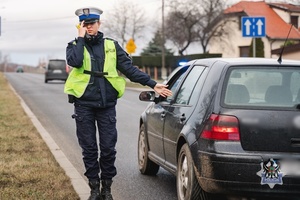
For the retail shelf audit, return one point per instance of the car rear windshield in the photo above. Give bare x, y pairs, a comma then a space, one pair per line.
57, 64
262, 87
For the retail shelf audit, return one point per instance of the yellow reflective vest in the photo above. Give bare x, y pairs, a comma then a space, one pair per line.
78, 81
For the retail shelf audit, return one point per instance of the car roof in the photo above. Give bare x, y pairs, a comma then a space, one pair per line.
245, 61
57, 60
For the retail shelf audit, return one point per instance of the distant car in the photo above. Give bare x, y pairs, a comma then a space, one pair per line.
57, 69
231, 127
19, 69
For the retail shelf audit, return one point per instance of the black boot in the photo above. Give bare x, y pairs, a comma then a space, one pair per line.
95, 190
105, 190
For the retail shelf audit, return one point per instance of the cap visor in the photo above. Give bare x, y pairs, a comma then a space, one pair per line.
90, 21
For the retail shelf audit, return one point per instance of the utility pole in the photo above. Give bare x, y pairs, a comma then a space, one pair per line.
163, 62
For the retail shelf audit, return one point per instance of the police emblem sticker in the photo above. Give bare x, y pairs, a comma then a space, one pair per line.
270, 173
86, 11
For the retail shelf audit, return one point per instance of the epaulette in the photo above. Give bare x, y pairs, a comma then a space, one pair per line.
73, 41
110, 39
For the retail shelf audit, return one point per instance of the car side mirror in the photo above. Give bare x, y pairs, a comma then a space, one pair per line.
147, 96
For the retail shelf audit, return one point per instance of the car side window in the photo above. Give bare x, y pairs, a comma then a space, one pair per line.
187, 88
173, 84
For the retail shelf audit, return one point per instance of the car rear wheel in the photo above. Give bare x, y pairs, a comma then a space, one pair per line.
188, 187
146, 166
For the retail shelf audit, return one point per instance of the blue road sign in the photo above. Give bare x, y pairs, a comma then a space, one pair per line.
254, 26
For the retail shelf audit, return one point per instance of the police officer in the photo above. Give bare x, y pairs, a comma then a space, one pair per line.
94, 85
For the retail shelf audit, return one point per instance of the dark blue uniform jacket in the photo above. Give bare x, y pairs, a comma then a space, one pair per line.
100, 92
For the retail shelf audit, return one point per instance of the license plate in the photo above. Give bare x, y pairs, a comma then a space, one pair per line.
57, 71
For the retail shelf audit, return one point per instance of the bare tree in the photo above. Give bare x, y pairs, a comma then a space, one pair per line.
180, 25
180, 29
210, 25
194, 21
137, 21
127, 20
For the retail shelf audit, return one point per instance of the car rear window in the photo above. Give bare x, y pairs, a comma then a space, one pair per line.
57, 64
262, 87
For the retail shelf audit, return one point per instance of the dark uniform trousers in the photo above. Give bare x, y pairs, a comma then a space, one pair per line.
86, 120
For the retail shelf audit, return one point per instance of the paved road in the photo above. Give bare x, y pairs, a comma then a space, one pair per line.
49, 104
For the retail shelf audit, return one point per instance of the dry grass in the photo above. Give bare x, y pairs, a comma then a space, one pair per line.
28, 170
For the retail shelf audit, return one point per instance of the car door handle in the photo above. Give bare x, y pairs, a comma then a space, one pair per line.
182, 118
295, 142
162, 115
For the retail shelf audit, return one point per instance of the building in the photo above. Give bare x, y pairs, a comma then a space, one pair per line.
288, 52
278, 20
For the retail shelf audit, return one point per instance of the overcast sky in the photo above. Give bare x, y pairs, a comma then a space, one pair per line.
40, 29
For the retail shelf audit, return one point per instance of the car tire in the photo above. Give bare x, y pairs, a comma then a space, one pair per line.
187, 184
146, 166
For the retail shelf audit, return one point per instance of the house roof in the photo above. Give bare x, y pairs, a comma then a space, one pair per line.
276, 27
286, 7
287, 49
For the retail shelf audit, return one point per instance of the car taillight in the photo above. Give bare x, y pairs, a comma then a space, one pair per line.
221, 127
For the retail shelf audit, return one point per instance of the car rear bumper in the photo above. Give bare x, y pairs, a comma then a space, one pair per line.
240, 174
56, 76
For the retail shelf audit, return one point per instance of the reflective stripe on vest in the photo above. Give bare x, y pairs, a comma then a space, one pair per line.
77, 81
110, 66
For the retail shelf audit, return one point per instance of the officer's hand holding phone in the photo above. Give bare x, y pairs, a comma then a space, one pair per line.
81, 29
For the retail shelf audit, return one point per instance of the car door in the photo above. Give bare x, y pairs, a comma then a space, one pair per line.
179, 111
155, 118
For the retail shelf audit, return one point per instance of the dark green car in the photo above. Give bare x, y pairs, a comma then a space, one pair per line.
19, 69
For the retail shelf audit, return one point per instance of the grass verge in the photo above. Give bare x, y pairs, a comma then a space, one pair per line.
28, 170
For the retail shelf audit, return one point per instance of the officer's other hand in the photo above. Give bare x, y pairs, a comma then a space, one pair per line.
162, 90
81, 30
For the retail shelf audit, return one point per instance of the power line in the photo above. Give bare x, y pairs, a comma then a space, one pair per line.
37, 20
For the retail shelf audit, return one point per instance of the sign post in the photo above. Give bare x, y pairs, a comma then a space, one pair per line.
254, 27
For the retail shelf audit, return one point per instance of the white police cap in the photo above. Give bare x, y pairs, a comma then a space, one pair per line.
88, 14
